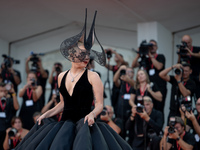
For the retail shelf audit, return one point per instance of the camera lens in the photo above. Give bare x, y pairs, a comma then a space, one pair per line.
177, 71
122, 72
12, 132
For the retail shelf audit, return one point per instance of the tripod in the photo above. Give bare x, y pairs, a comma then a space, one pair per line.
108, 81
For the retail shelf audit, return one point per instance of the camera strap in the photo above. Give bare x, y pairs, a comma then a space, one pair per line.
7, 75
177, 145
142, 91
38, 74
29, 93
3, 106
55, 84
128, 87
155, 58
15, 140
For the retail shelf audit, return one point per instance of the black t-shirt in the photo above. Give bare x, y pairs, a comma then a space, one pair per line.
154, 73
195, 63
9, 112
135, 127
175, 92
188, 138
9, 77
146, 93
42, 81
189, 123
123, 105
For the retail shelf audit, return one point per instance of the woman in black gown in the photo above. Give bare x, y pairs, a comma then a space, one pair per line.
78, 88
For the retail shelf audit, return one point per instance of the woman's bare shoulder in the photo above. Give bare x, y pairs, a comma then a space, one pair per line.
93, 74
62, 74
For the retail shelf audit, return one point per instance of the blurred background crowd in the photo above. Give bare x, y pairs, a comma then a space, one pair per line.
137, 94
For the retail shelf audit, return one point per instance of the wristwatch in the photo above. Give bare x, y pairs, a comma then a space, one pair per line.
178, 138
178, 82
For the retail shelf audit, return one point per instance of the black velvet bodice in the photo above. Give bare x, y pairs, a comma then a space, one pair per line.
78, 105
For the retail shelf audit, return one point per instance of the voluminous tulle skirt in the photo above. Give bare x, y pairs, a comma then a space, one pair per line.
66, 135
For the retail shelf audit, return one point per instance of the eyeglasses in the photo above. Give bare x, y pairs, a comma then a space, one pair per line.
198, 104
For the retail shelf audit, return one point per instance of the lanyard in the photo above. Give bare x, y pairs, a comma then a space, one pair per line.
143, 91
7, 75
2, 107
184, 83
127, 88
55, 85
177, 145
29, 93
15, 140
155, 58
38, 74
59, 116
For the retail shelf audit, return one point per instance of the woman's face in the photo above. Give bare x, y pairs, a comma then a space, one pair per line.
81, 56
31, 76
17, 124
141, 76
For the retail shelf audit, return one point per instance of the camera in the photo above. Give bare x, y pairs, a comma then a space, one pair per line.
140, 104
183, 52
109, 54
143, 51
12, 132
186, 104
7, 61
33, 83
144, 48
151, 133
178, 71
172, 122
104, 111
58, 67
3, 100
34, 58
182, 47
122, 72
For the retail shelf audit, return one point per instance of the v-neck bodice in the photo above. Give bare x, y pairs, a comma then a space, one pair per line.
78, 105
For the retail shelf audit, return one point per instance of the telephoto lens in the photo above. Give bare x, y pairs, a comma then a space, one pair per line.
12, 132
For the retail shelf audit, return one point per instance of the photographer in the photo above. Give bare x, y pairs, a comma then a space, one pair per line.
107, 116
42, 75
55, 99
144, 125
56, 70
191, 54
30, 93
182, 85
8, 107
153, 63
143, 87
193, 122
119, 61
8, 74
123, 79
177, 138
14, 134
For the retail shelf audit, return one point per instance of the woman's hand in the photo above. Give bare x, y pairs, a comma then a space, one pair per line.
90, 119
40, 119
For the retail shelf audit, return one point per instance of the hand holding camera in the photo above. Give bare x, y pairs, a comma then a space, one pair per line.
190, 115
174, 135
144, 115
108, 53
104, 115
133, 112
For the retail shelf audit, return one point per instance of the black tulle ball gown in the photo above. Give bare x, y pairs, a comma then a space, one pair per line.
71, 132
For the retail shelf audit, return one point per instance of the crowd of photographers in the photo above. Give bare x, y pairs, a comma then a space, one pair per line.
137, 98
